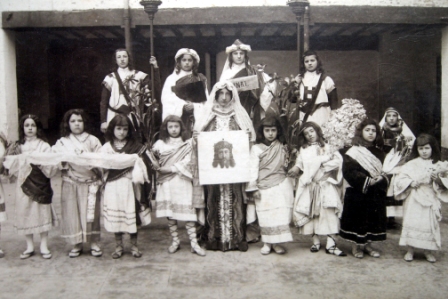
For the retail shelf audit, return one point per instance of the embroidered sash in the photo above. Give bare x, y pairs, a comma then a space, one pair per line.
172, 157
366, 159
272, 171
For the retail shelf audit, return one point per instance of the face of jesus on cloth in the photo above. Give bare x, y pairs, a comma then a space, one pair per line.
223, 155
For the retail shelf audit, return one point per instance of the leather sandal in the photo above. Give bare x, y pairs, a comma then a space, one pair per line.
96, 252
408, 257
373, 253
135, 252
118, 252
75, 252
357, 252
278, 249
46, 255
429, 257
335, 251
315, 248
175, 246
26, 255
266, 249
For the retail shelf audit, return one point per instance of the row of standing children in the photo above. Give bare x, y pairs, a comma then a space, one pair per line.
316, 209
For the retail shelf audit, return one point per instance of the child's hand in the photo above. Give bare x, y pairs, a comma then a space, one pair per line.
434, 176
294, 171
153, 61
376, 180
103, 127
188, 107
195, 135
414, 184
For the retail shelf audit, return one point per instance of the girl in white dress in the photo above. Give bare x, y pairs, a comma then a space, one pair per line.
80, 200
174, 198
270, 188
33, 211
317, 205
419, 185
122, 198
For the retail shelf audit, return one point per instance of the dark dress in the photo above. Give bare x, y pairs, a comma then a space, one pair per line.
364, 215
225, 225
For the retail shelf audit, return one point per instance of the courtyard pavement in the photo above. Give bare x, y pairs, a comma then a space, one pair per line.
158, 274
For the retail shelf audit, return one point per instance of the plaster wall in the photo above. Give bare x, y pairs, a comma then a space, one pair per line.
75, 5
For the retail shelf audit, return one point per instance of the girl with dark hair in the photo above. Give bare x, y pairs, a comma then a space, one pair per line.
124, 88
270, 188
317, 204
33, 210
255, 101
185, 90
317, 91
80, 201
419, 184
364, 217
124, 201
174, 198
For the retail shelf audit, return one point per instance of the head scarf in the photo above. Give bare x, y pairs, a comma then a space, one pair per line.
241, 116
191, 52
406, 131
227, 72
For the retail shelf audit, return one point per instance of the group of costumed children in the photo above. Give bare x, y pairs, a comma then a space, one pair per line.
323, 190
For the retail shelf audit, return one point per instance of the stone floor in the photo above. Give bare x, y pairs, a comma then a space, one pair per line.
298, 274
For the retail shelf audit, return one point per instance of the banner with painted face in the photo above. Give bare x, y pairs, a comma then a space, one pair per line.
223, 157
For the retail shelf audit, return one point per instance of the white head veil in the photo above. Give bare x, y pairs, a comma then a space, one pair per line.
241, 116
406, 131
229, 72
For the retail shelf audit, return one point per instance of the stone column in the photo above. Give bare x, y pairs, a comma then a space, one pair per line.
444, 87
8, 84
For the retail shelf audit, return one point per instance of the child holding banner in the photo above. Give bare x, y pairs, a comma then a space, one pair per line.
253, 90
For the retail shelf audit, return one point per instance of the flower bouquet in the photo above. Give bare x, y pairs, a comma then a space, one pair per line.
340, 128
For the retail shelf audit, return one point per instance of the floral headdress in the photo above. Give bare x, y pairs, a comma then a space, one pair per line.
229, 72
238, 45
191, 52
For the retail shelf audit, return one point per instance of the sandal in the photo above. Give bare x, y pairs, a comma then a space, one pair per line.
75, 252
279, 249
26, 255
46, 255
118, 252
335, 251
266, 249
135, 252
175, 246
429, 257
315, 248
96, 252
408, 257
359, 254
373, 253
198, 250
2, 254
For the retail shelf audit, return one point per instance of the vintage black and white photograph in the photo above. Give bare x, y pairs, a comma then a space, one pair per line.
224, 149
